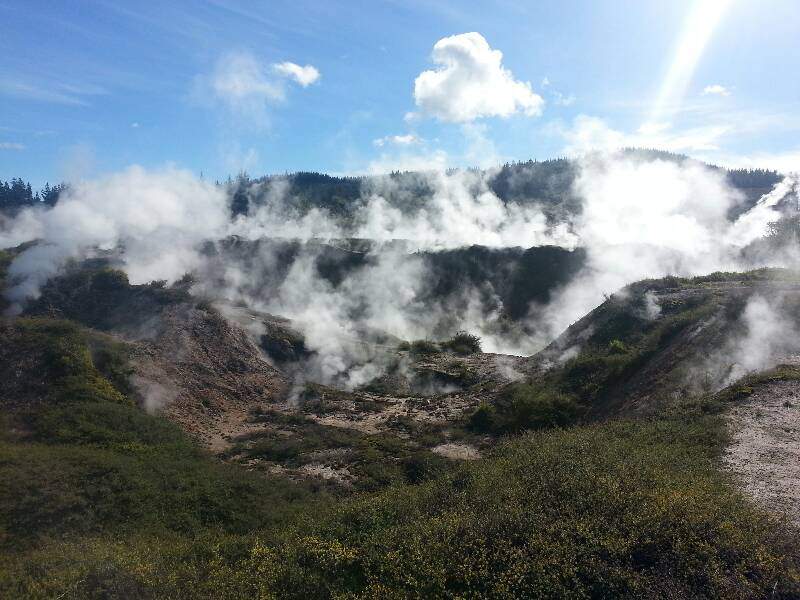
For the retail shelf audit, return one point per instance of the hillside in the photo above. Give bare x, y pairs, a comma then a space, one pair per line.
633, 425
399, 300
547, 182
341, 417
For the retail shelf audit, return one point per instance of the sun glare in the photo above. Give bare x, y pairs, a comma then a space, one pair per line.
701, 22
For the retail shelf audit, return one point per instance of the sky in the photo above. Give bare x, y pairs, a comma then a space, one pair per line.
218, 87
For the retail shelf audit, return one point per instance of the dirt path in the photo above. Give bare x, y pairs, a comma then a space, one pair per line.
765, 449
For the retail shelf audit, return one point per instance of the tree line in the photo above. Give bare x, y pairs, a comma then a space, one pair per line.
17, 194
549, 182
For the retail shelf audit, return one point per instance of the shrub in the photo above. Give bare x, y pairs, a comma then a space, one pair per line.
463, 343
528, 407
85, 460
422, 347
107, 280
204, 304
618, 510
483, 420
422, 466
617, 347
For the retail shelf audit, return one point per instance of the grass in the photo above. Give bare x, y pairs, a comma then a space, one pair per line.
376, 460
523, 407
614, 510
109, 502
87, 461
756, 275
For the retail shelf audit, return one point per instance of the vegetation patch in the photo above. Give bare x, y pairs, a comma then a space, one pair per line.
624, 340
94, 294
524, 406
424, 347
375, 460
463, 343
85, 460
622, 510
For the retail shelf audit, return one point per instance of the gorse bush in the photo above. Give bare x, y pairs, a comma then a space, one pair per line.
617, 347
483, 419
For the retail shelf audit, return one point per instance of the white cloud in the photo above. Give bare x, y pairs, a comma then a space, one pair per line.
247, 87
11, 146
471, 83
305, 76
564, 99
66, 95
135, 125
592, 133
431, 161
784, 162
239, 79
716, 90
399, 140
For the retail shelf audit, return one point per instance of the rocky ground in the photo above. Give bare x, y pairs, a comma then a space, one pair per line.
211, 374
206, 369
204, 373
764, 454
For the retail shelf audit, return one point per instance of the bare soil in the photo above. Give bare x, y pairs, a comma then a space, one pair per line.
764, 454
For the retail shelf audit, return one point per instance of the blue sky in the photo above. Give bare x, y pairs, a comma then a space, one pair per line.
92, 87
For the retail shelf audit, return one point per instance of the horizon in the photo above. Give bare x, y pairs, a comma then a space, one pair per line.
253, 177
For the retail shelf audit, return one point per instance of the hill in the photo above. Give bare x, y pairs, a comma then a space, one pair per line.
610, 484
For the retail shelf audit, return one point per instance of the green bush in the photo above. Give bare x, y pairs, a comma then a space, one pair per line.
463, 343
108, 280
423, 347
619, 510
85, 460
525, 406
484, 419
617, 347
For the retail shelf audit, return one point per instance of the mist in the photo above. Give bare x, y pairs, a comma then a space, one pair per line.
158, 219
649, 219
640, 218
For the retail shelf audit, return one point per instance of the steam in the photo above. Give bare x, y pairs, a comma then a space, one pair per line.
648, 219
640, 218
159, 218
155, 396
770, 337
462, 211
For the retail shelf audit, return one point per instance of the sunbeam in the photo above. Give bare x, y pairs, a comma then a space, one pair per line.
701, 22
